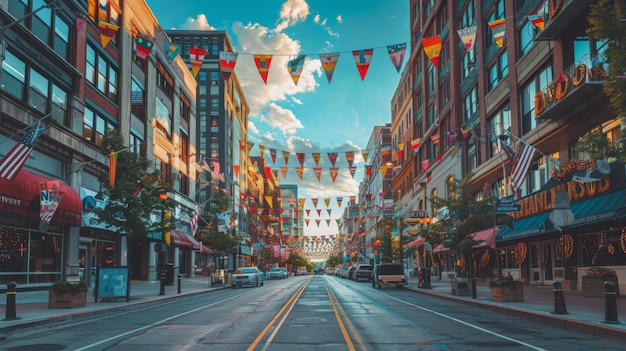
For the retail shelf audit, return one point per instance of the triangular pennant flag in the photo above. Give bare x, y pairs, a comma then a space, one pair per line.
327, 201
171, 51
318, 222
368, 171
464, 132
269, 201
362, 59
301, 201
107, 32
318, 172
262, 63
250, 146
314, 200
468, 37
196, 56
112, 168
498, 28
383, 171
286, 157
228, 60
236, 170
283, 170
306, 221
80, 22
316, 157
425, 164
396, 54
333, 173
301, 156
451, 137
268, 172
352, 170
143, 47
432, 47
339, 201
415, 144
438, 158
329, 61
400, 150
365, 154
429, 176
262, 151
295, 68
299, 171
350, 157
319, 212
536, 20
332, 156
435, 139
273, 155
328, 222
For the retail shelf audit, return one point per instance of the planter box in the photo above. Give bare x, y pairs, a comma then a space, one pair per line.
507, 293
66, 299
594, 286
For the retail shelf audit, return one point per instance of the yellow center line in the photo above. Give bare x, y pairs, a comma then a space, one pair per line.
355, 334
291, 302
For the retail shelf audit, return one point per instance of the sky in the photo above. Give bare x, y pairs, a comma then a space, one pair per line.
314, 116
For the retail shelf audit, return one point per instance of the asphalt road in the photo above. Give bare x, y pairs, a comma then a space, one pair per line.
307, 313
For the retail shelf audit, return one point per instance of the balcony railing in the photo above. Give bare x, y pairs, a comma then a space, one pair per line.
576, 88
559, 15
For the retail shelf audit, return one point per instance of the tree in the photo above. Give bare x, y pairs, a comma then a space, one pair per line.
458, 218
220, 242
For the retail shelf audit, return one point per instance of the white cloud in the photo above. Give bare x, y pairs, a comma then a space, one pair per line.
292, 12
200, 23
296, 100
316, 19
252, 129
339, 19
283, 119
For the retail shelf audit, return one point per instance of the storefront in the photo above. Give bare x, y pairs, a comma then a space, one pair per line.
31, 253
558, 240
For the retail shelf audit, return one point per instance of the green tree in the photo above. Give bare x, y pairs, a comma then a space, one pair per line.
459, 217
334, 260
220, 242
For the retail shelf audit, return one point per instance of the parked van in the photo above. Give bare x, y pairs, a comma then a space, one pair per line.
388, 274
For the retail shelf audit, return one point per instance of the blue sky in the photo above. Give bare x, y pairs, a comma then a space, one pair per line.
313, 116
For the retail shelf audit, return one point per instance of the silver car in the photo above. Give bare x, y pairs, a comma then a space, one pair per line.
247, 276
277, 273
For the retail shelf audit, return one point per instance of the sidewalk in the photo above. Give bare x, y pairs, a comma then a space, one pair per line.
32, 306
586, 315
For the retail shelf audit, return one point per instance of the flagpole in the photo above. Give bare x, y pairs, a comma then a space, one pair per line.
80, 165
527, 144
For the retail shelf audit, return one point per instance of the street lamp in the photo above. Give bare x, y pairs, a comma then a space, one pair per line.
163, 197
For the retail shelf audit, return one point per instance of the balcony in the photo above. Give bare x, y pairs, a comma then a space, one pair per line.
559, 18
579, 86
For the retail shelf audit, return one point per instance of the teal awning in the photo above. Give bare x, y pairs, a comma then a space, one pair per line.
528, 226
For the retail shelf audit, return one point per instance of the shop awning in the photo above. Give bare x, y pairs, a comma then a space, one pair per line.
21, 196
196, 245
528, 226
488, 236
608, 206
416, 242
180, 239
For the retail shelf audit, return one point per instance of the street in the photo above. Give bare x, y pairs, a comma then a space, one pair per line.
307, 313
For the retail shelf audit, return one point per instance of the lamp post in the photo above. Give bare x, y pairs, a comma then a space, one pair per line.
163, 197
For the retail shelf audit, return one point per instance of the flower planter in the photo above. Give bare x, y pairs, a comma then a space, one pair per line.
66, 299
594, 286
508, 293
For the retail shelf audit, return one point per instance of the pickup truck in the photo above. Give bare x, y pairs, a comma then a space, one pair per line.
388, 274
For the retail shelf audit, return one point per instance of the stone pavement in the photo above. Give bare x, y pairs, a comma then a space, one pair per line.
587, 315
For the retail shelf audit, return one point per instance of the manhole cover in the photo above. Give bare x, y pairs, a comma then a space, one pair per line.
308, 320
38, 347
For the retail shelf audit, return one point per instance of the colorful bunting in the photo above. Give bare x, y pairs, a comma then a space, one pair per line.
362, 58
352, 171
171, 51
435, 139
80, 22
425, 164
283, 170
273, 155
365, 154
536, 20
332, 156
396, 54
301, 156
350, 157
432, 47
143, 47
498, 28
299, 171
400, 150
295, 68
107, 32
316, 157
318, 172
286, 156
262, 63
468, 37
333, 173
415, 144
329, 61
196, 56
228, 60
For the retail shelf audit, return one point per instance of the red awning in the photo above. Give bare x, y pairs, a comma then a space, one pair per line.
180, 239
21, 196
416, 242
488, 236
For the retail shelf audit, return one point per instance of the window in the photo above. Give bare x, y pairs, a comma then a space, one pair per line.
500, 122
59, 103
185, 110
468, 61
470, 104
101, 73
164, 80
526, 35
432, 79
38, 91
468, 15
95, 126
13, 75
498, 70
137, 98
202, 79
215, 78
215, 103
538, 83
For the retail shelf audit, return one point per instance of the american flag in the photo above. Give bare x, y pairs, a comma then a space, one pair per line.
194, 222
12, 163
215, 172
521, 165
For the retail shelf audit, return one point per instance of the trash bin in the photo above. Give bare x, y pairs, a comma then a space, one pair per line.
169, 274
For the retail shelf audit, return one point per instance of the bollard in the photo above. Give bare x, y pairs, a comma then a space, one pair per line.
179, 284
10, 309
162, 279
474, 288
559, 299
610, 302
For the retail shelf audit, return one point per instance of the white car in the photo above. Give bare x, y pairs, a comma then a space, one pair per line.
277, 273
247, 276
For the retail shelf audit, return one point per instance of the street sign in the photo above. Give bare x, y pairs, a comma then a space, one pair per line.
509, 208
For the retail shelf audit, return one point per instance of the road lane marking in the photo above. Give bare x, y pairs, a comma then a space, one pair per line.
339, 311
289, 304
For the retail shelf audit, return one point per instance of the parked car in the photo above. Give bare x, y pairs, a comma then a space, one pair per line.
351, 271
388, 274
363, 271
250, 276
301, 271
277, 273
